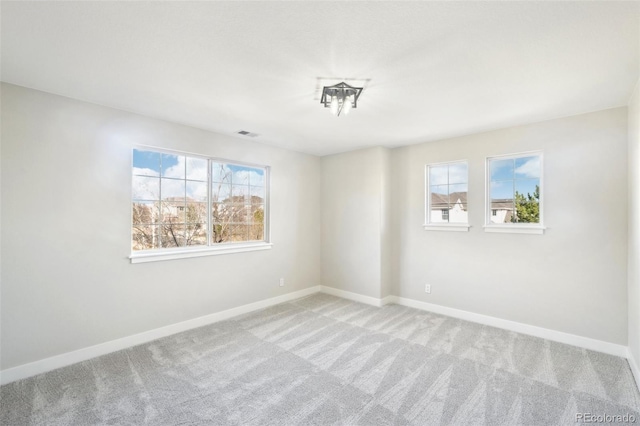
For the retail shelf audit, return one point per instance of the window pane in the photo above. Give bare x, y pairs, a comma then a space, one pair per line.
220, 233
439, 200
458, 173
241, 214
528, 188
501, 169
527, 212
502, 190
144, 237
145, 188
256, 232
435, 215
220, 192
173, 212
180, 234
257, 212
458, 193
438, 175
197, 169
220, 173
440, 189
458, 213
231, 232
527, 201
173, 235
527, 167
196, 191
145, 212
173, 166
146, 163
220, 212
240, 194
257, 194
256, 177
239, 232
240, 176
173, 189
195, 234
196, 212
503, 211
244, 175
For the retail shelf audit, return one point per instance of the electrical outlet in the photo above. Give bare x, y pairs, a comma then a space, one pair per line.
281, 282
427, 288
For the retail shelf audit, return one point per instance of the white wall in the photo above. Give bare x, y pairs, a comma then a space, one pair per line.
634, 229
571, 279
355, 220
66, 280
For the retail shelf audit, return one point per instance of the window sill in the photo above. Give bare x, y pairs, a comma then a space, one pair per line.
515, 229
456, 227
159, 255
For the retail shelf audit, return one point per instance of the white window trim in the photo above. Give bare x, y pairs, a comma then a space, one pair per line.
512, 228
453, 227
144, 256
428, 226
196, 251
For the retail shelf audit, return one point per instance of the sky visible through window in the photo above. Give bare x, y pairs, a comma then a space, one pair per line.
514, 174
151, 163
174, 169
448, 178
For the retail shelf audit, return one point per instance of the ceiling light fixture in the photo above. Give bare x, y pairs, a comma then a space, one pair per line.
340, 98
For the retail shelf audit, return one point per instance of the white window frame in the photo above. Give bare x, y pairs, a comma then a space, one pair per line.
513, 228
430, 226
210, 249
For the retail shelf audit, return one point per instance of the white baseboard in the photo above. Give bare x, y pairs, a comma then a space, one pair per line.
635, 369
42, 366
532, 330
352, 296
387, 300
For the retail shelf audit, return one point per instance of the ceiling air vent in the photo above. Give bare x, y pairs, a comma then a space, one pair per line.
245, 133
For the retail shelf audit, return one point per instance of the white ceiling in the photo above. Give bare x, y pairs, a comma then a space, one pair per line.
433, 69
